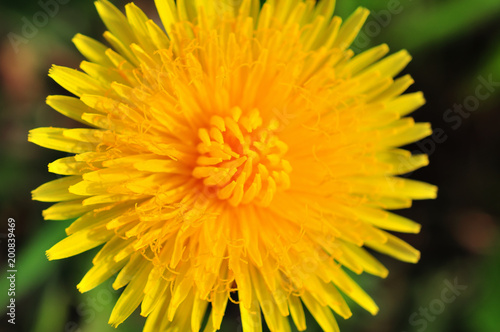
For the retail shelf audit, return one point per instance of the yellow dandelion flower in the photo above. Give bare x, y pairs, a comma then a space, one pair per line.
244, 153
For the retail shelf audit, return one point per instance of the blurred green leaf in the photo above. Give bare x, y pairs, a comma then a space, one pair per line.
345, 8
52, 311
492, 65
485, 316
424, 26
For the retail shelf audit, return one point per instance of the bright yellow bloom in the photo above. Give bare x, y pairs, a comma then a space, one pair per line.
246, 154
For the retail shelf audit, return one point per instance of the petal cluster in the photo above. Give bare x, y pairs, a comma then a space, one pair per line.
242, 153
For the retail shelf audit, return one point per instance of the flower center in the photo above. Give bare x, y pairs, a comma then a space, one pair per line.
241, 159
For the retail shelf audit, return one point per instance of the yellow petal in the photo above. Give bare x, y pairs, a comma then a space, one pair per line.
121, 48
137, 20
115, 21
75, 81
54, 138
407, 103
69, 106
354, 291
157, 291
99, 273
396, 248
135, 263
67, 210
367, 261
93, 50
323, 315
198, 313
168, 14
297, 312
98, 218
159, 38
366, 59
57, 190
351, 28
69, 166
79, 242
104, 74
131, 297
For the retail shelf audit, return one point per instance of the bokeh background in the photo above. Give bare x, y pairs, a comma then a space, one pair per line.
456, 50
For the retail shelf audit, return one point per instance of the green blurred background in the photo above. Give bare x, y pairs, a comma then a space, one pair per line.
456, 50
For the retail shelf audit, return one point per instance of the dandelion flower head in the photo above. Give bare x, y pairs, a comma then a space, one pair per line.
240, 153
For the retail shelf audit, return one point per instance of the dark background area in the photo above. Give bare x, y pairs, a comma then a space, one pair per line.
454, 288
